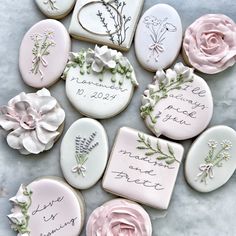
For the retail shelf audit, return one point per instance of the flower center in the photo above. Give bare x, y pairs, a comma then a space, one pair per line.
28, 122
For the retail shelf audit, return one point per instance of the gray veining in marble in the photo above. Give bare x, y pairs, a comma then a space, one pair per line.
190, 213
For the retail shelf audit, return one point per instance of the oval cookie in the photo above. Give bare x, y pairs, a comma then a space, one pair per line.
211, 159
119, 217
99, 82
158, 37
84, 153
178, 104
47, 206
44, 53
56, 9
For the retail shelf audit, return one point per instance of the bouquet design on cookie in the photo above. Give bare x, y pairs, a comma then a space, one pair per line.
34, 121
41, 49
158, 29
83, 147
51, 4
20, 217
215, 158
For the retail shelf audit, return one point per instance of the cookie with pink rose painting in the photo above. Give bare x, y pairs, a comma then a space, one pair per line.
33, 121
209, 43
44, 53
119, 217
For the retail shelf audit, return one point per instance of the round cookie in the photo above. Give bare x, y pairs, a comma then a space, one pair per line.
100, 82
56, 9
178, 104
119, 217
211, 161
47, 206
84, 153
44, 53
209, 43
34, 121
158, 37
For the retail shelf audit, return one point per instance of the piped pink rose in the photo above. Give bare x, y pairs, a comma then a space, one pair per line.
210, 43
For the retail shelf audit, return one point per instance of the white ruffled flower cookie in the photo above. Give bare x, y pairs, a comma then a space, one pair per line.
34, 121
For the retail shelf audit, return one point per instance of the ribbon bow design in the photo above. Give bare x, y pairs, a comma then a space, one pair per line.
156, 48
206, 170
37, 60
80, 169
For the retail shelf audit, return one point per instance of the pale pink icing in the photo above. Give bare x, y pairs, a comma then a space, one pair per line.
210, 43
119, 217
33, 120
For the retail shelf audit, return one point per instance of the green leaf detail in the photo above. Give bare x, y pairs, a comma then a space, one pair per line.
156, 150
214, 159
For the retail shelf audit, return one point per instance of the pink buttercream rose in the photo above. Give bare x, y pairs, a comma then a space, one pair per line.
33, 121
119, 217
210, 43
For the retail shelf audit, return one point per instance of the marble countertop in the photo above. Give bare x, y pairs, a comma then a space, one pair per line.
190, 213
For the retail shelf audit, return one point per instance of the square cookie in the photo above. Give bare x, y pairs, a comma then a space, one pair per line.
143, 168
106, 22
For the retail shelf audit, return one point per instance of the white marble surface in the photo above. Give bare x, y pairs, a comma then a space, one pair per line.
190, 213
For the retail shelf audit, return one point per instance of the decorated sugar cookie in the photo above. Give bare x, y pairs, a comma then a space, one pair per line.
34, 122
108, 22
47, 206
100, 82
178, 104
56, 9
211, 160
143, 168
84, 153
44, 53
158, 37
210, 43
119, 217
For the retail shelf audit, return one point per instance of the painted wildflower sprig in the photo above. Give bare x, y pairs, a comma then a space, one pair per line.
41, 49
51, 4
120, 21
20, 217
158, 29
83, 147
150, 150
163, 83
214, 159
99, 61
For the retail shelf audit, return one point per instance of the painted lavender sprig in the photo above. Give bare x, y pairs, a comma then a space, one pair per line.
83, 147
214, 159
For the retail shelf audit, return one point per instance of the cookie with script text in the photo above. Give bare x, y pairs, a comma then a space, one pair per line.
143, 168
47, 206
178, 104
211, 160
100, 82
